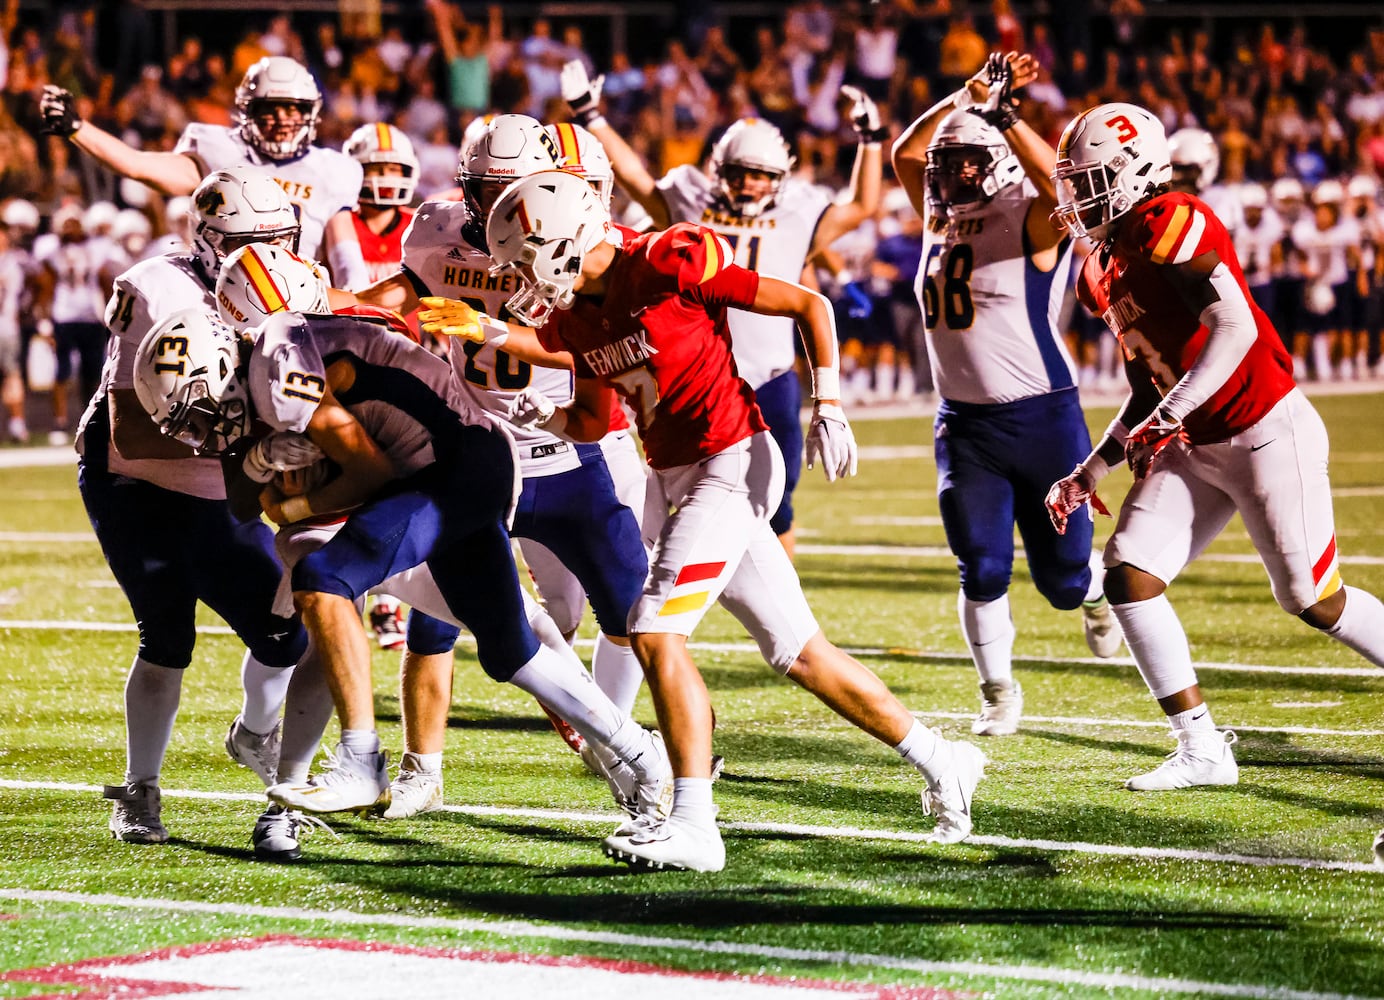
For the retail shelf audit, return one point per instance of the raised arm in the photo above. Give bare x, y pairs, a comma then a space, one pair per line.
862, 198
167, 172
583, 97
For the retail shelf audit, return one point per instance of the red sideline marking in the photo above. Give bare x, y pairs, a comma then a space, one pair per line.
1320, 568
699, 571
98, 986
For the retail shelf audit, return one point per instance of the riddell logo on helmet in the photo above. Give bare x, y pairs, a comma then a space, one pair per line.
504, 171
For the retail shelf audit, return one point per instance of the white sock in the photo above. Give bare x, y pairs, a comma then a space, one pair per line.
692, 802
1096, 591
152, 694
361, 741
1321, 357
1361, 625
265, 688
570, 693
427, 763
884, 379
1198, 718
921, 748
617, 672
907, 386
1158, 643
989, 631
547, 633
308, 709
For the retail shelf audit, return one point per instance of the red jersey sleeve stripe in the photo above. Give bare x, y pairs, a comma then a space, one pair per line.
1192, 240
1165, 244
695, 572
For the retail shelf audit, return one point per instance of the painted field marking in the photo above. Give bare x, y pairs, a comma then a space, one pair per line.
524, 929
799, 830
1064, 720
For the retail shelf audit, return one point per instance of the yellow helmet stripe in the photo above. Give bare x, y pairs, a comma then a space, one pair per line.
568, 145
384, 137
271, 299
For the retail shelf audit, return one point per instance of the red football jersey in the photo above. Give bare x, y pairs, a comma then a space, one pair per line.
1128, 287
659, 338
382, 251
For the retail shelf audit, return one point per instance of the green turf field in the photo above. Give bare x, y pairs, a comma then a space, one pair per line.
1071, 886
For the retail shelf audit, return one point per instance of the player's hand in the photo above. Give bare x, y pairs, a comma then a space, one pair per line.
1147, 441
1068, 495
859, 305
1001, 107
531, 408
450, 318
282, 451
864, 115
831, 442
58, 110
583, 95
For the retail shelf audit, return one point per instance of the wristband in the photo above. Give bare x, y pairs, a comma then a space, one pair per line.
295, 509
826, 383
589, 119
1093, 468
874, 136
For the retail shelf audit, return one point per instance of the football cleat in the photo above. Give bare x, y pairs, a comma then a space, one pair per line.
1001, 705
413, 791
135, 813
1202, 757
672, 843
277, 832
387, 625
1103, 635
349, 783
948, 796
259, 753
644, 798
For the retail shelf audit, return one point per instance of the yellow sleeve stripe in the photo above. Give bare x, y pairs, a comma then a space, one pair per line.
687, 602
261, 283
715, 260
1171, 234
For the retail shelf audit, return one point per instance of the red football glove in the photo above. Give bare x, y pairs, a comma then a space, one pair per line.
1147, 441
1068, 495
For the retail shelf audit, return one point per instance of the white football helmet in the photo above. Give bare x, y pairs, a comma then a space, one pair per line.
236, 206
541, 230
1195, 159
968, 162
581, 153
1253, 196
510, 147
381, 143
132, 231
1363, 186
20, 215
1329, 192
186, 377
278, 80
99, 217
261, 279
1108, 160
750, 144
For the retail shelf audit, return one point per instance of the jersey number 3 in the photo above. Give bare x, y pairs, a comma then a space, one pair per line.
949, 299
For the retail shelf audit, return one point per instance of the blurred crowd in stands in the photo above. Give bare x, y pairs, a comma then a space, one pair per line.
1297, 114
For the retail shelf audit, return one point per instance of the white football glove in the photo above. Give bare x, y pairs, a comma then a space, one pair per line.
282, 451
583, 95
531, 409
863, 115
830, 441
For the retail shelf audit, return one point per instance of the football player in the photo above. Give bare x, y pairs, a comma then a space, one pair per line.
1213, 425
160, 513
597, 538
773, 223
1196, 161
990, 287
18, 221
647, 320
278, 104
425, 478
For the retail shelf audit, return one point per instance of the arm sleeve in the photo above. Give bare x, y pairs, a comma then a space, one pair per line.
1232, 334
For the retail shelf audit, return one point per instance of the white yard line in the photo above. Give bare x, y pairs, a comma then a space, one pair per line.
1122, 662
797, 830
757, 952
1063, 720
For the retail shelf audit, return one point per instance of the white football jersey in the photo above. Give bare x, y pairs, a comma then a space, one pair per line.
14, 275
773, 243
1224, 200
439, 259
77, 294
1254, 246
1325, 249
991, 316
320, 183
393, 395
144, 296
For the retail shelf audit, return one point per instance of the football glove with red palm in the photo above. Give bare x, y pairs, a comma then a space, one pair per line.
1147, 441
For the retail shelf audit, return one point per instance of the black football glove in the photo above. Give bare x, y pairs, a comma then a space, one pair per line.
58, 110
1001, 108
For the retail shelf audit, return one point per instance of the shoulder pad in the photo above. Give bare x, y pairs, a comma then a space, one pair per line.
1171, 229
693, 253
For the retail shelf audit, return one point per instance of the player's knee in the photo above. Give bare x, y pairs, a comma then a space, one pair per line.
166, 651
503, 650
1325, 613
1066, 590
428, 636
985, 579
1126, 584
